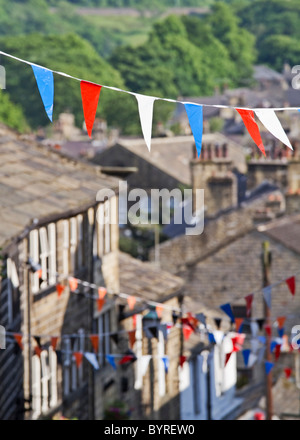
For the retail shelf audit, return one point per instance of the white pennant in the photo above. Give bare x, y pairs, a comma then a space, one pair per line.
267, 293
271, 122
144, 363
145, 104
218, 335
254, 328
252, 359
91, 357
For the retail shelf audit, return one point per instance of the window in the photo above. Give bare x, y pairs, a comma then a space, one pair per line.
72, 375
42, 250
73, 244
139, 352
80, 240
107, 225
10, 291
104, 324
66, 247
44, 382
161, 367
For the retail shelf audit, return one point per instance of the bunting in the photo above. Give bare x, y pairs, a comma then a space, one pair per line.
45, 83
131, 302
145, 106
239, 324
281, 321
218, 322
268, 367
131, 336
111, 360
252, 127
165, 360
227, 357
246, 355
95, 342
90, 96
59, 289
291, 282
78, 358
195, 116
267, 291
144, 362
227, 309
91, 357
182, 360
73, 283
272, 123
288, 372
249, 300
18, 338
54, 340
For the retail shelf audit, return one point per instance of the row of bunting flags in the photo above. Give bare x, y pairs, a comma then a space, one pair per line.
90, 93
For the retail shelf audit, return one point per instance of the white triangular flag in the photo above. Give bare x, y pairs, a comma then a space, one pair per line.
145, 104
218, 335
254, 328
252, 359
144, 363
267, 291
271, 122
91, 357
254, 345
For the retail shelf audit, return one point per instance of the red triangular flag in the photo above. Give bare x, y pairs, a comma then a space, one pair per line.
125, 359
37, 350
281, 321
159, 310
90, 96
100, 304
131, 335
59, 289
238, 323
277, 351
227, 357
131, 302
288, 372
73, 283
291, 282
134, 321
54, 340
102, 292
249, 299
18, 338
78, 358
252, 127
95, 342
182, 360
268, 329
187, 331
40, 273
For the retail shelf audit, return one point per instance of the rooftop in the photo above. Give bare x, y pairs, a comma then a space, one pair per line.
37, 182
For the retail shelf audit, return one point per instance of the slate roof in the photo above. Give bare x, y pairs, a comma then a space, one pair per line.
37, 182
143, 279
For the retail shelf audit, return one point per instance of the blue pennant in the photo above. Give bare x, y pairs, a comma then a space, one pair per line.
227, 309
111, 360
45, 82
195, 115
246, 354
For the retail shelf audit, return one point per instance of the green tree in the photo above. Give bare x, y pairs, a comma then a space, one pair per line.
11, 114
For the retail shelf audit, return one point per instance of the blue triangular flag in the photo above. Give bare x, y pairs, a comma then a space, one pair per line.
195, 115
268, 367
165, 360
262, 339
211, 338
45, 83
227, 309
246, 354
281, 332
272, 346
267, 295
111, 360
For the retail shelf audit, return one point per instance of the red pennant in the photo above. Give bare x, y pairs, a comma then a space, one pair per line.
73, 283
126, 359
78, 358
90, 96
281, 321
159, 310
131, 335
131, 302
37, 350
40, 273
288, 372
249, 299
18, 338
277, 351
102, 292
54, 340
59, 289
100, 304
95, 342
134, 321
291, 282
252, 127
227, 357
238, 323
187, 331
182, 360
268, 329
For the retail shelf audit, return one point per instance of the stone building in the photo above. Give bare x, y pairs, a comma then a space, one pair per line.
52, 228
